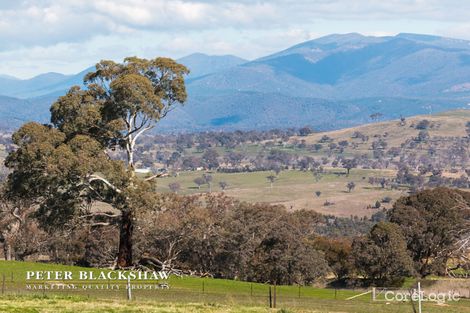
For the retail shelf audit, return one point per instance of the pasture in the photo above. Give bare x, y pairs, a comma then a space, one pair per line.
296, 189
189, 294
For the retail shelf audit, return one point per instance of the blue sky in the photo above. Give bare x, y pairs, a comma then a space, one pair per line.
65, 36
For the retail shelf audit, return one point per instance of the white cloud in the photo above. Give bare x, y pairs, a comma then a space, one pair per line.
65, 35
50, 22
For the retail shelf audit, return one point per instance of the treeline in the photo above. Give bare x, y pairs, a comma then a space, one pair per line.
218, 236
222, 237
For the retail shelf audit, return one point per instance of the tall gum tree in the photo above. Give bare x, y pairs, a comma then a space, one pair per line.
64, 166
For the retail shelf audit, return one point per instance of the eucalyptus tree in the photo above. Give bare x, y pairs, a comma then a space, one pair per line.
435, 224
64, 166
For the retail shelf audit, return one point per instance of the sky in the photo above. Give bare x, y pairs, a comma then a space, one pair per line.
67, 36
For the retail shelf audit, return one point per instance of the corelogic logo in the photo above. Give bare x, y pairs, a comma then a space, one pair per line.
414, 295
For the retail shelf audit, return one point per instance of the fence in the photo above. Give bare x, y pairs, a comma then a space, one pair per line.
203, 290
198, 291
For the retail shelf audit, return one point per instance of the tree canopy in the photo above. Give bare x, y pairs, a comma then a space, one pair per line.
64, 166
432, 222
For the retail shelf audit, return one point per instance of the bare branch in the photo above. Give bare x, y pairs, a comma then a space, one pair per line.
100, 224
15, 214
100, 214
95, 177
143, 130
166, 111
156, 176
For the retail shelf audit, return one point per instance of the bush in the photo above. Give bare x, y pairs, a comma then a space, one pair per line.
386, 199
423, 124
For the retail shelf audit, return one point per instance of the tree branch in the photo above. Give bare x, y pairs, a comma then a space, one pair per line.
100, 224
156, 176
166, 111
15, 214
100, 214
105, 181
143, 130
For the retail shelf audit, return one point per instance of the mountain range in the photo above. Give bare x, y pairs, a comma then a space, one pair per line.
330, 82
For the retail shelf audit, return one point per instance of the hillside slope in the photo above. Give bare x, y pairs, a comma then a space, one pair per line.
445, 124
329, 83
440, 158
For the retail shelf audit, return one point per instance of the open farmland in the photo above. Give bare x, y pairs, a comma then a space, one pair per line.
189, 294
379, 150
296, 189
442, 125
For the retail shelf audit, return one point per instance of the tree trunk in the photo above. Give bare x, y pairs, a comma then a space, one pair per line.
7, 251
125, 239
130, 160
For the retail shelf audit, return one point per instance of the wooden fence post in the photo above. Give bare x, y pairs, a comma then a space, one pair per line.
129, 292
275, 296
270, 298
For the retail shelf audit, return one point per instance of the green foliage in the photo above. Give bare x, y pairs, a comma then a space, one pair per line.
217, 235
432, 221
382, 257
64, 166
337, 254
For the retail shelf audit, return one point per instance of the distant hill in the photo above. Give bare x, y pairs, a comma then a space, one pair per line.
336, 81
331, 82
55, 83
354, 66
443, 125
40, 85
202, 64
14, 112
4, 76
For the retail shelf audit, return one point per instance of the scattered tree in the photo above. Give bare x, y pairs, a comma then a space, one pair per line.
199, 181
351, 185
271, 179
423, 125
376, 116
208, 180
349, 164
305, 131
223, 185
174, 187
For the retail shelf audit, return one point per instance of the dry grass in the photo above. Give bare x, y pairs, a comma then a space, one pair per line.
296, 189
49, 305
456, 286
73, 304
447, 124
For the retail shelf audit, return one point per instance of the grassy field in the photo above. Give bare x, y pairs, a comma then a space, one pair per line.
15, 281
446, 124
190, 294
296, 189
86, 305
